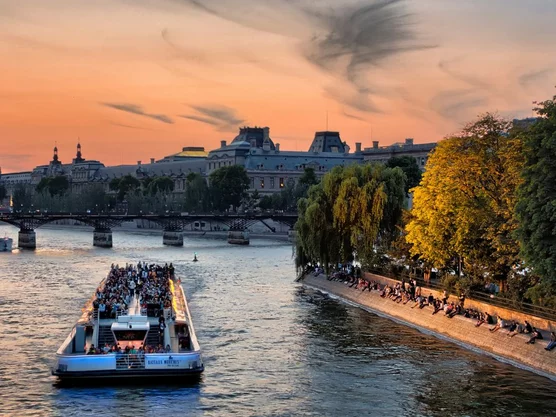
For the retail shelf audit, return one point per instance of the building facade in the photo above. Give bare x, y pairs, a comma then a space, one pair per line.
269, 168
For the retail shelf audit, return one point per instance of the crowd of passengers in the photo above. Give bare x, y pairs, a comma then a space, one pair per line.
151, 283
128, 350
409, 292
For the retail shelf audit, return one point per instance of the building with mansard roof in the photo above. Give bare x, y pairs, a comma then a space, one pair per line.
269, 168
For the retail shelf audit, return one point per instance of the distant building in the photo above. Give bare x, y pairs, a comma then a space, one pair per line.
269, 168
187, 153
383, 153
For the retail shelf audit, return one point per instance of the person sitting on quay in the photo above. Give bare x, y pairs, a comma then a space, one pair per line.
552, 344
535, 335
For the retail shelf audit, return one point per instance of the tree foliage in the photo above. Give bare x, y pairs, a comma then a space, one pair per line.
55, 186
536, 208
124, 185
3, 192
348, 213
163, 185
463, 208
228, 186
410, 168
197, 196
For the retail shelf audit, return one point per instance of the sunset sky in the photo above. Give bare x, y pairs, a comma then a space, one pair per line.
135, 79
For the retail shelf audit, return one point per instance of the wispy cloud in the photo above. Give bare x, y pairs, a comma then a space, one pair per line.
346, 40
129, 126
448, 67
457, 104
530, 78
221, 117
138, 110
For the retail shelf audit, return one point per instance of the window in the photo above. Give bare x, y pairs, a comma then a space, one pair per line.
281, 182
422, 161
252, 182
262, 182
271, 182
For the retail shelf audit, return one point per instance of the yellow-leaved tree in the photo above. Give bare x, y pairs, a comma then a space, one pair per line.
463, 210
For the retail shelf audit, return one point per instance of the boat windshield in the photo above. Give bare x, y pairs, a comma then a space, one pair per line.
134, 336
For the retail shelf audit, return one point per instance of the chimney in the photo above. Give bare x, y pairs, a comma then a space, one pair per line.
409, 141
139, 163
222, 143
266, 133
152, 160
375, 144
357, 147
277, 146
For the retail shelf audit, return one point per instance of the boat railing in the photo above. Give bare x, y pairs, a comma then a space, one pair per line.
130, 361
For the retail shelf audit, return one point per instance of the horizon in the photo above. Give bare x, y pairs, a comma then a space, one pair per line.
143, 79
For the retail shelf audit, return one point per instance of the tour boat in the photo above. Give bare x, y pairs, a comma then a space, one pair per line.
138, 339
6, 244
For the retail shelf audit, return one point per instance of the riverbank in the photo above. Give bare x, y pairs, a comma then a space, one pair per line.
460, 330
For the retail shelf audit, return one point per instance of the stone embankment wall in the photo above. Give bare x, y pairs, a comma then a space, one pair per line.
462, 330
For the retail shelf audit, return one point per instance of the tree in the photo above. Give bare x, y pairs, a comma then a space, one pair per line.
409, 166
307, 179
55, 186
463, 209
164, 185
228, 186
536, 207
3, 192
196, 193
265, 203
21, 198
124, 185
345, 214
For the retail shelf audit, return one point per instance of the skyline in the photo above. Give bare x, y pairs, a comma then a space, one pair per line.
141, 79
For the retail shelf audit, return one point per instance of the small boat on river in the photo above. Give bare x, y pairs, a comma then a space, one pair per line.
136, 325
6, 244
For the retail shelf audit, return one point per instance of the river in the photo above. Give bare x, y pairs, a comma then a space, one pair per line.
271, 347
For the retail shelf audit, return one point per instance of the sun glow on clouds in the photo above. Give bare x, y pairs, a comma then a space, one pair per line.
139, 79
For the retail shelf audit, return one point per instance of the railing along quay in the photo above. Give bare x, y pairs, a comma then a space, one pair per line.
494, 300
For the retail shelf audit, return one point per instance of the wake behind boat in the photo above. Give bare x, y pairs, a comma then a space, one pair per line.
136, 325
6, 244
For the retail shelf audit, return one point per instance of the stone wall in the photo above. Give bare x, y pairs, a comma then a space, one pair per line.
458, 329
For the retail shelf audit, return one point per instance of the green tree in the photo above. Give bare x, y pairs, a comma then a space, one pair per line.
21, 198
196, 193
345, 214
124, 185
536, 207
163, 185
265, 203
307, 179
409, 166
228, 186
55, 186
463, 210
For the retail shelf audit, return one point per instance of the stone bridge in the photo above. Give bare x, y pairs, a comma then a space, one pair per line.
173, 225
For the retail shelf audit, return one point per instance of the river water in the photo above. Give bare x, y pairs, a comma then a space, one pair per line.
271, 347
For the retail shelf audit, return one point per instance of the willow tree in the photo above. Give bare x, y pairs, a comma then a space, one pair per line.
348, 213
536, 209
463, 210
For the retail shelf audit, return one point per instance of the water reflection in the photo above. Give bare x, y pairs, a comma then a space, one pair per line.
404, 372
270, 346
